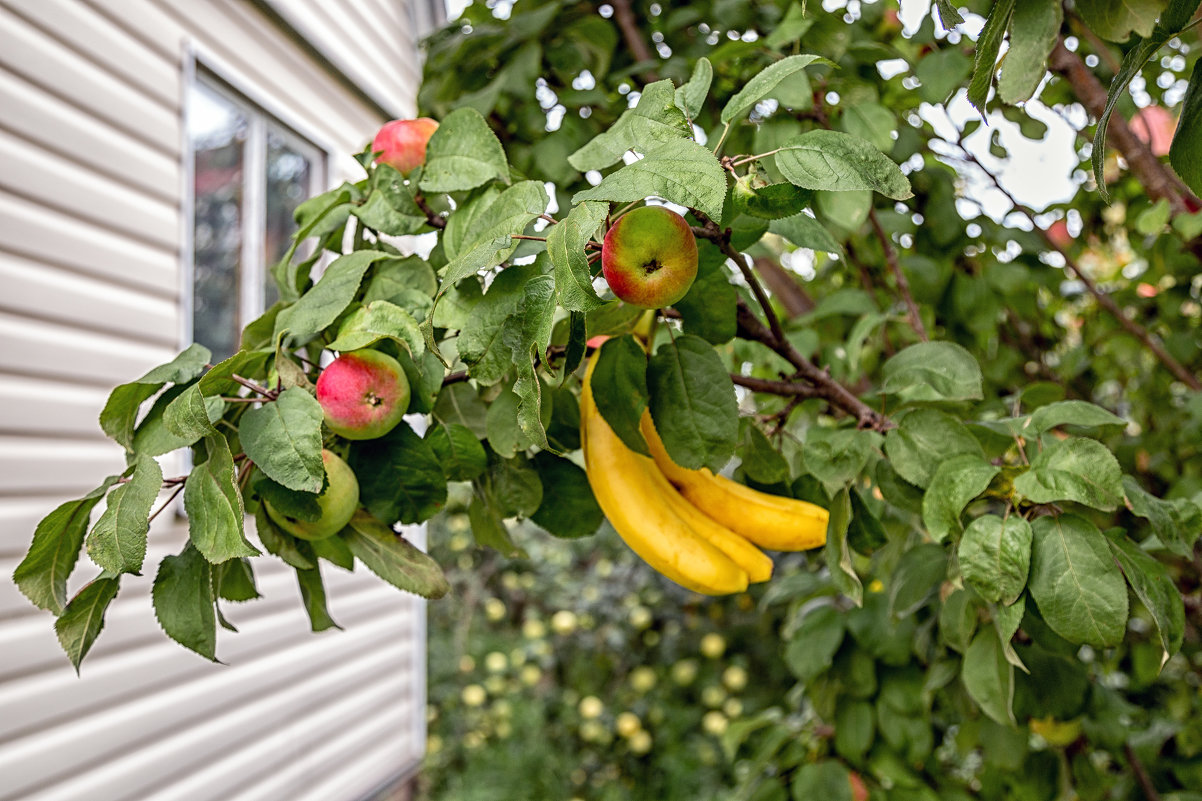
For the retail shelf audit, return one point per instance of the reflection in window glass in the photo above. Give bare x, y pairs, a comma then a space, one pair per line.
218, 131
288, 181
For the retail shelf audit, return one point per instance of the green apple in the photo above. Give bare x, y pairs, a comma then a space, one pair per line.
402, 143
363, 393
338, 503
649, 257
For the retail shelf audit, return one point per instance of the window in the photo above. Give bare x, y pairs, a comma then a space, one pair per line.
249, 173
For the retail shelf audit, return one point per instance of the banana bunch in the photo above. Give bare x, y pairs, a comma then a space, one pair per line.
698, 529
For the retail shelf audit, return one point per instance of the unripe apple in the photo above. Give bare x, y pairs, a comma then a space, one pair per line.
649, 257
338, 503
364, 394
402, 143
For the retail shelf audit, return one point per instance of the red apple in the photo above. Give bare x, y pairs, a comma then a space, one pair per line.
1155, 126
338, 503
364, 394
649, 257
402, 143
859, 791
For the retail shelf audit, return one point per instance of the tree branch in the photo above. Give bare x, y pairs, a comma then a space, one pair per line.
1103, 299
903, 285
785, 287
1157, 180
633, 36
795, 389
434, 218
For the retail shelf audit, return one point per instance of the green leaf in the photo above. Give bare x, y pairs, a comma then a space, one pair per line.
1074, 579
328, 298
949, 15
680, 171
391, 208
958, 619
42, 574
235, 580
1155, 589
1074, 469
80, 623
188, 416
855, 729
956, 482
528, 339
378, 320
313, 596
486, 342
488, 528
1174, 522
923, 440
1070, 412
463, 154
152, 436
460, 404
1006, 620
1185, 154
764, 83
836, 457
279, 543
184, 602
995, 557
917, 577
989, 678
458, 450
512, 211
120, 411
761, 462
568, 508
392, 277
871, 122
283, 439
933, 372
827, 780
806, 232
400, 477
118, 540
622, 373
758, 198
656, 119
566, 247
839, 162
1116, 20
335, 551
709, 309
693, 403
394, 559
213, 504
1034, 29
812, 646
290, 503
837, 552
942, 72
690, 98
989, 43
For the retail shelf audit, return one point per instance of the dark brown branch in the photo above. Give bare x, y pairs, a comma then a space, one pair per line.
1141, 774
1149, 341
825, 387
785, 287
709, 230
455, 378
768, 386
628, 24
435, 219
903, 285
175, 494
1157, 180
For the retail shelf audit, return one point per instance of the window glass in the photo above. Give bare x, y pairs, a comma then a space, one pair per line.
289, 175
217, 130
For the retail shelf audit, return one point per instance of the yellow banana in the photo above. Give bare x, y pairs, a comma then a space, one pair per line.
769, 521
755, 562
625, 485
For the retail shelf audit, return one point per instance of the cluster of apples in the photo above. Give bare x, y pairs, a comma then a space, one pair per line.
363, 395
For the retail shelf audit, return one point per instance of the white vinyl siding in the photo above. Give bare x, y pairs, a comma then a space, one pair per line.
92, 198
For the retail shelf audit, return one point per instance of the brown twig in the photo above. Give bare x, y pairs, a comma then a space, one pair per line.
1141, 774
903, 285
709, 230
175, 494
785, 287
455, 378
628, 24
1103, 299
270, 394
1156, 179
435, 219
768, 386
824, 386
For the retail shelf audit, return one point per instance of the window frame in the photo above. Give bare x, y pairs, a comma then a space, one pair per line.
261, 112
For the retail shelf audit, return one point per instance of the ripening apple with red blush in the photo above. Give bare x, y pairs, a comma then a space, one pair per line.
363, 394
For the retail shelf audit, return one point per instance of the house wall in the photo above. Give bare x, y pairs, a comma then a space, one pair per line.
91, 237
